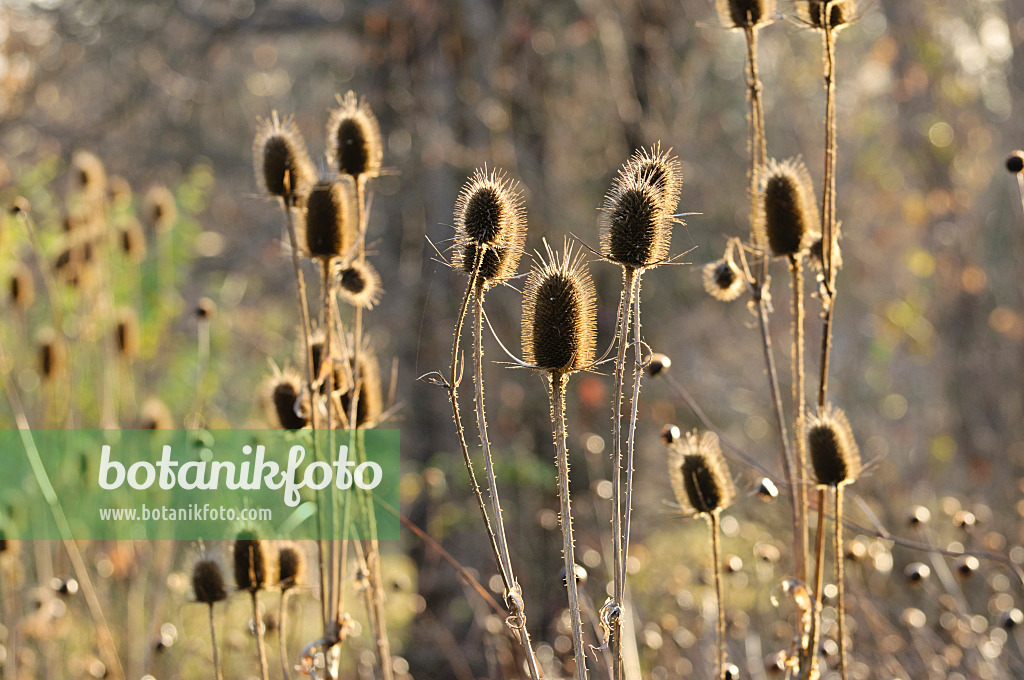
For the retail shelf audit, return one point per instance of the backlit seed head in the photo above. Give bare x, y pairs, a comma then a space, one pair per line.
317, 347
917, 572
813, 13
206, 309
559, 317
638, 210
359, 285
745, 13
835, 458
251, 566
291, 566
723, 279
159, 209
329, 219
789, 213
51, 354
280, 158
119, 191
1015, 162
498, 263
489, 215
282, 401
155, 415
370, 404
208, 581
660, 363
132, 240
21, 288
126, 333
353, 138
88, 175
700, 479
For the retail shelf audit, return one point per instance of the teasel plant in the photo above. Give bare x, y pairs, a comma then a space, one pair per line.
558, 338
291, 568
637, 218
208, 588
252, 571
703, 487
490, 232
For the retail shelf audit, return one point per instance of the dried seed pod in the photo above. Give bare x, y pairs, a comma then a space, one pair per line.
723, 280
21, 287
205, 309
119, 191
661, 171
359, 284
1015, 162
291, 565
489, 215
251, 566
660, 363
280, 158
208, 581
88, 175
159, 209
745, 13
699, 476
329, 219
843, 12
371, 395
283, 403
353, 139
126, 333
559, 318
132, 240
155, 415
835, 458
51, 354
789, 213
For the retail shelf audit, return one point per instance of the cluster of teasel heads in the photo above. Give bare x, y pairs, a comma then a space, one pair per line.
257, 566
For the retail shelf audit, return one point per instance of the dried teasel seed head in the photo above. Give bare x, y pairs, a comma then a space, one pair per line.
723, 280
155, 415
291, 566
559, 318
745, 13
842, 13
208, 581
699, 476
489, 217
280, 159
20, 205
329, 219
132, 240
21, 287
1015, 162
159, 209
353, 139
282, 401
835, 458
660, 363
88, 175
251, 566
126, 333
359, 284
119, 191
638, 210
789, 213
370, 404
51, 354
206, 309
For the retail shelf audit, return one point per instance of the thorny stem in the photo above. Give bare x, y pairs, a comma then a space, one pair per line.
828, 214
218, 674
337, 567
810, 654
716, 556
638, 372
840, 603
558, 381
261, 650
799, 398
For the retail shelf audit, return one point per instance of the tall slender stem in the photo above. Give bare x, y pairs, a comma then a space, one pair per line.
558, 381
716, 557
840, 603
261, 649
282, 639
217, 672
631, 435
799, 398
829, 237
810, 654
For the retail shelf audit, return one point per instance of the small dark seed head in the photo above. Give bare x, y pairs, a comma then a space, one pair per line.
21, 288
132, 241
205, 309
250, 562
559, 317
20, 205
660, 363
359, 284
119, 191
1015, 162
919, 516
789, 212
208, 581
280, 158
835, 458
489, 215
371, 395
966, 565
159, 210
700, 479
745, 13
353, 139
813, 13
51, 354
723, 279
291, 566
329, 219
283, 403
126, 333
670, 434
1011, 618
917, 572
731, 672
155, 416
88, 175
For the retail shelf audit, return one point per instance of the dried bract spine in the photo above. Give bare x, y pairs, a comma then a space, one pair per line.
789, 213
353, 139
280, 158
699, 476
835, 458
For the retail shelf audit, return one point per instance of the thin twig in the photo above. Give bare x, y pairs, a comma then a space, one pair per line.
716, 558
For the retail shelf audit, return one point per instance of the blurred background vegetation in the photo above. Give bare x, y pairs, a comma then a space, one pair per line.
930, 319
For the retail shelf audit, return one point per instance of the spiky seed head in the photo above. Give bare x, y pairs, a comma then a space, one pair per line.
20, 206
700, 479
489, 212
88, 175
1015, 162
559, 319
329, 219
371, 395
291, 565
159, 209
21, 288
282, 401
353, 138
126, 333
119, 191
660, 363
280, 159
789, 212
155, 415
251, 566
51, 354
723, 279
813, 13
132, 240
835, 458
745, 13
208, 581
359, 284
637, 212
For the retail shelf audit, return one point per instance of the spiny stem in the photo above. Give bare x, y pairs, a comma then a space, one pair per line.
217, 673
828, 214
799, 399
638, 373
261, 651
840, 604
810, 655
558, 381
716, 556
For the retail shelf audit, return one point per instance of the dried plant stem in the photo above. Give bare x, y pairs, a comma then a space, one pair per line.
799, 396
558, 381
829, 237
716, 556
217, 672
840, 599
282, 629
261, 649
638, 373
809, 660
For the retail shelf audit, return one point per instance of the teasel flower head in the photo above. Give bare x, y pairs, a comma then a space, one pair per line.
208, 581
88, 175
353, 139
723, 279
126, 333
329, 219
559, 319
699, 476
131, 239
159, 210
638, 210
291, 566
490, 223
21, 288
745, 13
370, 404
789, 213
52, 354
359, 284
283, 400
835, 458
280, 159
251, 565
813, 12
155, 415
